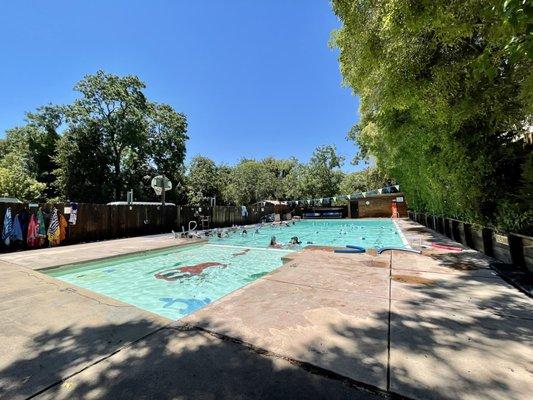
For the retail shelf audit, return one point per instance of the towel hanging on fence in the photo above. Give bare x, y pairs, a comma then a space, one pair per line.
41, 228
17, 229
24, 219
244, 211
33, 232
7, 230
73, 213
53, 229
63, 224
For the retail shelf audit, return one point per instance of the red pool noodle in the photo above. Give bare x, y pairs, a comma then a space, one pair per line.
446, 247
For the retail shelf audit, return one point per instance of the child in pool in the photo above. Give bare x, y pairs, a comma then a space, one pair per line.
274, 244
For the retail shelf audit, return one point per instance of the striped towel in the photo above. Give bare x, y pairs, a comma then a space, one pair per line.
7, 231
53, 229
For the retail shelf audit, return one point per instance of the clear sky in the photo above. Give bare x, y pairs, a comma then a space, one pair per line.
255, 78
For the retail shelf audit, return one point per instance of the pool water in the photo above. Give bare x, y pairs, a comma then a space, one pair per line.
176, 282
365, 233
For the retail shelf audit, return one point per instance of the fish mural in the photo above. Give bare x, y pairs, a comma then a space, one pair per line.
253, 277
191, 304
241, 253
186, 271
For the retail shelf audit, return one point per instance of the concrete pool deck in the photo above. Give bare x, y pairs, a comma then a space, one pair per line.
324, 325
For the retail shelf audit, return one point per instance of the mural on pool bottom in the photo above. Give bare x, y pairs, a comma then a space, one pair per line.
192, 304
187, 271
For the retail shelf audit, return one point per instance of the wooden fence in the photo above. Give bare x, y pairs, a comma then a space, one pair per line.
510, 248
220, 216
101, 221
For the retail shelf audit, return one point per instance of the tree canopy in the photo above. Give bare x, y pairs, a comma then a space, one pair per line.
112, 140
251, 181
446, 100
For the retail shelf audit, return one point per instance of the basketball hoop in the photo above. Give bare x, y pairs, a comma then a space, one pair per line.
161, 184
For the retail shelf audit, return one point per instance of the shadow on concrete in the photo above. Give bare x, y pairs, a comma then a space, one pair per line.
168, 363
451, 353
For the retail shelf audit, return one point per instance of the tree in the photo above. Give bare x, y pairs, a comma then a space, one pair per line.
368, 179
167, 137
33, 146
204, 179
446, 97
15, 181
250, 182
322, 176
117, 108
280, 169
85, 174
129, 138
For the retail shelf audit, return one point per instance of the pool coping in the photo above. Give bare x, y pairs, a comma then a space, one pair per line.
122, 256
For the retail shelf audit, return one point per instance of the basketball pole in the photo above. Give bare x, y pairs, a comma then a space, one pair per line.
163, 192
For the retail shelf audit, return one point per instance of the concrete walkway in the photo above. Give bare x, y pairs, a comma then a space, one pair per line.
432, 326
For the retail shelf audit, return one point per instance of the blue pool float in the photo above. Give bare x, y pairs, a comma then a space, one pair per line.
351, 249
360, 248
381, 250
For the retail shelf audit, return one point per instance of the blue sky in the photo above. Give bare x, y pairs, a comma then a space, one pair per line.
255, 78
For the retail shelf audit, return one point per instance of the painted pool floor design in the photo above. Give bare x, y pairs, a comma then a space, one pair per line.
177, 282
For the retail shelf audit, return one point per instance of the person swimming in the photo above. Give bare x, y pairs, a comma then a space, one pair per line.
294, 240
274, 244
244, 232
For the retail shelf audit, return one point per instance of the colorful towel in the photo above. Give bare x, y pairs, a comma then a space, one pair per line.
73, 213
53, 229
41, 230
7, 231
63, 224
17, 229
33, 232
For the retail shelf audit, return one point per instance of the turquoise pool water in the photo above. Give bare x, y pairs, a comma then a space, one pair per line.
366, 233
176, 282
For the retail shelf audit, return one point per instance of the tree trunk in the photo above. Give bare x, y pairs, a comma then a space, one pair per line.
117, 184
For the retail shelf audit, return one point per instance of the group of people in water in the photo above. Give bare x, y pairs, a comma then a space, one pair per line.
293, 242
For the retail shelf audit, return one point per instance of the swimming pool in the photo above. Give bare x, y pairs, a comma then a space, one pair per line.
178, 281
173, 283
365, 233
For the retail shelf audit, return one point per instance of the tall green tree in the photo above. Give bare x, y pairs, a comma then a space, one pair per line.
368, 179
250, 181
204, 179
31, 148
322, 175
16, 181
446, 97
116, 107
130, 139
